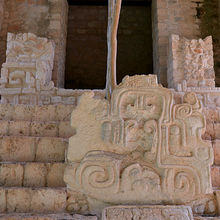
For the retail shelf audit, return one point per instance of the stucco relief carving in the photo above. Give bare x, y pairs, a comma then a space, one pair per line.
190, 61
29, 62
139, 148
147, 213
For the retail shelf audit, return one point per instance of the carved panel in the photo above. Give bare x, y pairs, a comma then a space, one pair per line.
147, 213
139, 148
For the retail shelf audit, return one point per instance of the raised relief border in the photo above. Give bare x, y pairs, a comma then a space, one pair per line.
139, 147
147, 213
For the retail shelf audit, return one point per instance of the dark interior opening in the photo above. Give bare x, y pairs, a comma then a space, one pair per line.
86, 58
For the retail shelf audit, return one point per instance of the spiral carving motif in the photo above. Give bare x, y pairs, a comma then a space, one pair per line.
183, 111
184, 183
97, 175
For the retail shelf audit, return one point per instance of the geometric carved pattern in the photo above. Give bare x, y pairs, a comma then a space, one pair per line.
29, 61
139, 148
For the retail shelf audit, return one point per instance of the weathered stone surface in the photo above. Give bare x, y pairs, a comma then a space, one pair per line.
18, 200
31, 216
45, 113
55, 174
35, 175
17, 149
43, 129
19, 128
217, 193
216, 147
65, 129
2, 200
139, 147
51, 149
147, 213
192, 61
48, 200
215, 176
40, 200
11, 175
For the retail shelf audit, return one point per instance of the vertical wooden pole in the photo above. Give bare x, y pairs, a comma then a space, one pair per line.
114, 8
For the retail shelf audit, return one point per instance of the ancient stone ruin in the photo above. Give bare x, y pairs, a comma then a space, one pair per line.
138, 148
135, 150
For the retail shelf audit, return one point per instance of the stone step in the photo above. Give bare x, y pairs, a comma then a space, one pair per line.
32, 149
32, 174
35, 112
215, 173
36, 129
30, 200
59, 216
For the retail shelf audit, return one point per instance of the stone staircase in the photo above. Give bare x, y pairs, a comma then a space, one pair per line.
33, 140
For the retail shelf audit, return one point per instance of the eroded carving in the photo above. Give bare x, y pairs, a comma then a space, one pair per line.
139, 147
147, 213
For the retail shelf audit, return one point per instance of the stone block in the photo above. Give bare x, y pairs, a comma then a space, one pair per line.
6, 111
65, 129
217, 193
35, 175
2, 200
217, 130
211, 114
45, 113
44, 129
4, 128
23, 112
48, 200
216, 148
19, 128
11, 175
19, 200
215, 176
17, 149
147, 212
82, 217
64, 112
55, 175
51, 149
209, 133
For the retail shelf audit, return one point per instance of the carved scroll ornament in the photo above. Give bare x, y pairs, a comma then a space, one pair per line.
139, 148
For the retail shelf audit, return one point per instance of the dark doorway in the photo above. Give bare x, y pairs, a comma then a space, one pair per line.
87, 42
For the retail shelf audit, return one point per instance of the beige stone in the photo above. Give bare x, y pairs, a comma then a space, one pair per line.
64, 112
139, 147
23, 112
17, 149
192, 61
6, 111
18, 200
147, 213
2, 200
216, 148
55, 175
51, 149
48, 200
19, 128
44, 129
35, 175
11, 175
65, 129
215, 176
217, 193
4, 127
45, 113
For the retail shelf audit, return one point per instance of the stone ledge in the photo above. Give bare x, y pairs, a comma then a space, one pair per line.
147, 212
